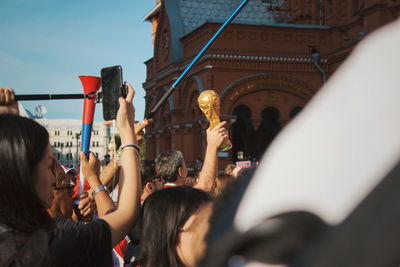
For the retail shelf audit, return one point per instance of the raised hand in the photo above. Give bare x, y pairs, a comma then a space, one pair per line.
217, 135
126, 118
8, 104
90, 169
85, 210
139, 128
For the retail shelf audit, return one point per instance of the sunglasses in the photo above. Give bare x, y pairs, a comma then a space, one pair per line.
156, 180
69, 187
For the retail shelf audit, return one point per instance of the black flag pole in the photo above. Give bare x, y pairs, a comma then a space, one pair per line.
48, 97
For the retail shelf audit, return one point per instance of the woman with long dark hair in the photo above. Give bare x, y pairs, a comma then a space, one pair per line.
27, 233
168, 217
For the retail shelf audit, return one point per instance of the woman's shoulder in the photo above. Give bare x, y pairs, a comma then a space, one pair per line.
58, 247
94, 238
81, 230
23, 249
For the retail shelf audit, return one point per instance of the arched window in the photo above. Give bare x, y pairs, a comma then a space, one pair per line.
242, 133
268, 129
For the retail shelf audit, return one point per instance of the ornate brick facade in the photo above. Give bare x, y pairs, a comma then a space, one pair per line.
266, 65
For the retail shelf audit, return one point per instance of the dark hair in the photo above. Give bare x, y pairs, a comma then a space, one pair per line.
221, 182
163, 213
168, 164
23, 144
147, 171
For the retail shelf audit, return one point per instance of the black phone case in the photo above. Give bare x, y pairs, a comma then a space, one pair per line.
112, 88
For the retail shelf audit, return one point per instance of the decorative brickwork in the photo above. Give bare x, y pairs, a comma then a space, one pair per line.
264, 71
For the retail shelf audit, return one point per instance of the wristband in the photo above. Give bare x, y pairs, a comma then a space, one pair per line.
130, 145
98, 189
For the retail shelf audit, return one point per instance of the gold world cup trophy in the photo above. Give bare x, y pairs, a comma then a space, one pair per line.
210, 104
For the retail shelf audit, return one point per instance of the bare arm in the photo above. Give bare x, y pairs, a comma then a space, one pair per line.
208, 173
122, 219
108, 173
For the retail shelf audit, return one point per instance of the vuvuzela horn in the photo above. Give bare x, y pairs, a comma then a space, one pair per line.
90, 84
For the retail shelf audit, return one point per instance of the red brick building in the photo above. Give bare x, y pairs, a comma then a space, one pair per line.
266, 65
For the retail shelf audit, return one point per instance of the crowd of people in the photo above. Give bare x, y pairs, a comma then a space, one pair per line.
313, 201
43, 217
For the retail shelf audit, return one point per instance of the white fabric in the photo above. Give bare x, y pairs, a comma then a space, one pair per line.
340, 146
118, 261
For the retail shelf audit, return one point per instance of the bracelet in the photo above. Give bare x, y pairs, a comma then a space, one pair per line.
134, 149
98, 189
138, 149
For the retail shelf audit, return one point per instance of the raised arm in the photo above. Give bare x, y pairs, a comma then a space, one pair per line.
122, 219
208, 173
108, 174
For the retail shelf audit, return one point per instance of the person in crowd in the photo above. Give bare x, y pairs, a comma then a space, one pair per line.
221, 182
229, 168
150, 181
71, 173
150, 184
84, 201
218, 225
200, 228
172, 167
29, 237
62, 206
233, 170
167, 219
198, 164
192, 179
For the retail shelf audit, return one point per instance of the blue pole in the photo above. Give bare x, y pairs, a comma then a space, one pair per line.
196, 59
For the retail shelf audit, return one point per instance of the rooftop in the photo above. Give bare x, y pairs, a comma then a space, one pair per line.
195, 13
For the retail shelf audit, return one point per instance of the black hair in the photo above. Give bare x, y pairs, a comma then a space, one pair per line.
147, 171
163, 213
168, 164
23, 143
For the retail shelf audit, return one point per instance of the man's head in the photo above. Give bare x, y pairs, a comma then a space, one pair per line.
150, 181
171, 167
71, 173
63, 203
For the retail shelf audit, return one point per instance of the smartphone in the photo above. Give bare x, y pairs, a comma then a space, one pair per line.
112, 88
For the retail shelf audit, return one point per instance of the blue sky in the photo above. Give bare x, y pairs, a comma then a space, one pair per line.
46, 44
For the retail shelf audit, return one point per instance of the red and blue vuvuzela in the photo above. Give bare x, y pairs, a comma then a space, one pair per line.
91, 84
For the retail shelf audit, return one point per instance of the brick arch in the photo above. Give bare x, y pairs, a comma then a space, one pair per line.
276, 82
170, 102
165, 110
194, 86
